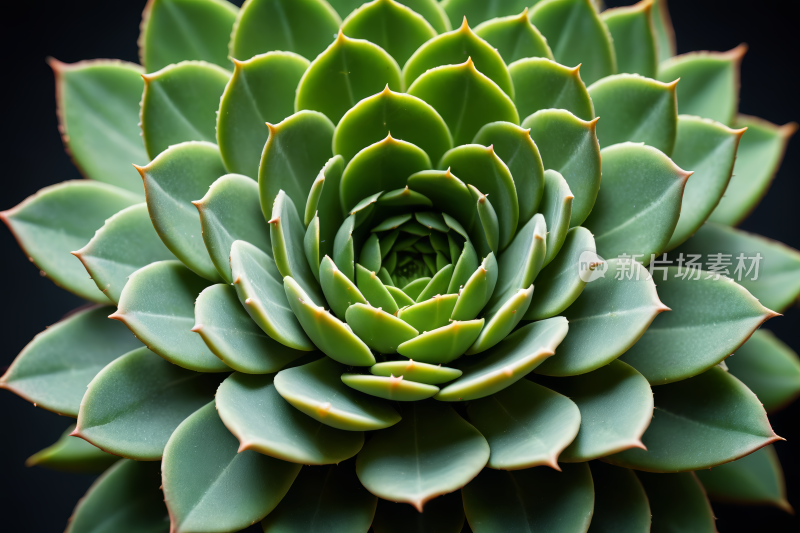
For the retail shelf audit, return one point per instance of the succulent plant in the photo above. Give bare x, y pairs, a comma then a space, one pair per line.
349, 295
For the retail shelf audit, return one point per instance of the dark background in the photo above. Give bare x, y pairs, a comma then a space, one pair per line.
36, 499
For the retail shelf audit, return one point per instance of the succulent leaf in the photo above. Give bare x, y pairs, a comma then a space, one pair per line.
416, 371
556, 208
429, 314
209, 486
379, 329
390, 388
634, 37
478, 12
444, 344
665, 35
444, 514
541, 83
476, 292
339, 290
72, 454
678, 501
620, 503
513, 36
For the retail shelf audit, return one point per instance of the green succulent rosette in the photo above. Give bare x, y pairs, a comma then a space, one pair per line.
368, 274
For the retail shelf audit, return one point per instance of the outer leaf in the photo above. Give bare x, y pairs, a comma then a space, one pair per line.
453, 89
635, 109
95, 98
301, 26
62, 218
541, 83
769, 368
317, 390
349, 70
323, 500
125, 498
231, 334
757, 160
230, 211
261, 90
208, 486
700, 422
620, 501
609, 316
72, 454
125, 243
616, 406
709, 149
56, 366
135, 403
431, 452
709, 84
175, 30
754, 479
678, 503
634, 37
513, 36
665, 35
180, 103
251, 408
640, 202
709, 320
178, 176
444, 514
576, 35
157, 305
569, 146
536, 499
526, 425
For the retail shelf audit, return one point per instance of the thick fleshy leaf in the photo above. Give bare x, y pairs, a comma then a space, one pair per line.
431, 452
616, 406
444, 514
391, 25
753, 479
380, 330
180, 104
344, 249
609, 316
230, 211
98, 113
177, 177
339, 291
60, 219
709, 149
556, 207
429, 314
135, 403
251, 408
500, 321
709, 85
72, 454
437, 285
125, 243
260, 289
757, 160
478, 12
576, 35
466, 99
317, 390
407, 118
451, 49
383, 166
769, 368
635, 109
390, 388
208, 486
301, 26
535, 499
639, 204
507, 362
442, 345
477, 290
700, 422
56, 366
513, 36
261, 91
229, 332
665, 34
157, 305
325, 499
526, 425
347, 72
569, 146
562, 281
634, 38
176, 30
678, 502
416, 371
126, 498
541, 83
768, 269
375, 292
709, 320
620, 504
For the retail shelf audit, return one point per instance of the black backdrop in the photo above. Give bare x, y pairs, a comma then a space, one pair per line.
36, 499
